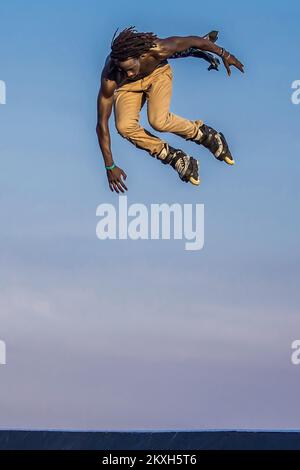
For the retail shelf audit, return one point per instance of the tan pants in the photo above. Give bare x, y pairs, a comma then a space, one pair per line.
156, 88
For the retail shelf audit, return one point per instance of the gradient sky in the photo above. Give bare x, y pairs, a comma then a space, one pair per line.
130, 335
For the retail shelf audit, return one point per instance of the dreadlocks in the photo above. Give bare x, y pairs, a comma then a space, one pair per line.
130, 43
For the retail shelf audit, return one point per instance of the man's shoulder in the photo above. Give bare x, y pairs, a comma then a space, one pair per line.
109, 62
158, 49
109, 69
163, 48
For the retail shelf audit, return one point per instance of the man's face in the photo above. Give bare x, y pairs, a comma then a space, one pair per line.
131, 67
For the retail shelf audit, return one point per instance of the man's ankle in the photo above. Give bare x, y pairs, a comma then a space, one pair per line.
163, 153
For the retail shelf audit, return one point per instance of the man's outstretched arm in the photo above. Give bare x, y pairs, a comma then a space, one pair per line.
173, 44
115, 175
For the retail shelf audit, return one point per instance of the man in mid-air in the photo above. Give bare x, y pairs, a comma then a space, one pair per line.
137, 70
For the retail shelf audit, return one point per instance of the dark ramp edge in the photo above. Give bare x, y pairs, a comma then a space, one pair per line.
187, 440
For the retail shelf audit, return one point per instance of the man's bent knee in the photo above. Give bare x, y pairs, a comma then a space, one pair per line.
125, 130
158, 124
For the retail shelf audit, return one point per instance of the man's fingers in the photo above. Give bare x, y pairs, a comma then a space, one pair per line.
124, 174
118, 183
226, 65
115, 187
235, 62
123, 184
240, 66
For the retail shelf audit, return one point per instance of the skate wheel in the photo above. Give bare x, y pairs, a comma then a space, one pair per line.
195, 182
229, 161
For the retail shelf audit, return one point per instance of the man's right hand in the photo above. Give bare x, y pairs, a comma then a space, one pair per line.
115, 179
230, 59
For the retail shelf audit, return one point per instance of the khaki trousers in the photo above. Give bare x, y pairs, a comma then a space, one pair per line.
156, 89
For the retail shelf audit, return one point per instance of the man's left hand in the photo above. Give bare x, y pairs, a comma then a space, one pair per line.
230, 59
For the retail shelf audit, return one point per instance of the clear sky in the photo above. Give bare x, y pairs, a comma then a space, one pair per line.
143, 334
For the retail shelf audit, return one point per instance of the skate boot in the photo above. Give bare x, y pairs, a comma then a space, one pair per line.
186, 166
215, 142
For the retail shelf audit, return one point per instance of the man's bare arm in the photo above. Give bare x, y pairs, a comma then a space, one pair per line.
173, 44
104, 110
105, 101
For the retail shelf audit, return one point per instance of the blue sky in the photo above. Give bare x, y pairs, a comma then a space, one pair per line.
102, 335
